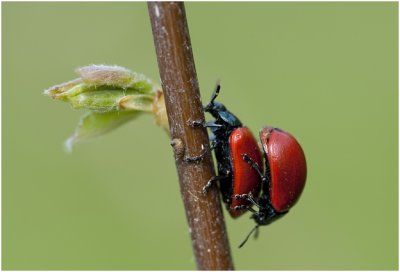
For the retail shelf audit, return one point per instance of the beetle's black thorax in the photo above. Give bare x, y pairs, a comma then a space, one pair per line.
224, 124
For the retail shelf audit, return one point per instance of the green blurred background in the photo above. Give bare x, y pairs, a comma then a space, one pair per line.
326, 72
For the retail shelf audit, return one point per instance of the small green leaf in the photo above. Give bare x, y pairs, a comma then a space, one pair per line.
94, 124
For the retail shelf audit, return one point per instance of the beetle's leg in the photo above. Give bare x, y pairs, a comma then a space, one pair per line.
254, 165
199, 123
249, 197
244, 207
196, 123
195, 158
211, 182
211, 124
213, 143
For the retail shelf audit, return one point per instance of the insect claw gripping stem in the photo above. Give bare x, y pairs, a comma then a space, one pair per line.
211, 182
201, 124
196, 123
195, 159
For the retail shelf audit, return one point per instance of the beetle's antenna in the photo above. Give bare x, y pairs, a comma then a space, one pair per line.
214, 95
216, 91
256, 233
248, 235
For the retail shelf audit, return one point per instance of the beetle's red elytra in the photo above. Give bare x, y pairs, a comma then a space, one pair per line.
245, 178
287, 167
230, 141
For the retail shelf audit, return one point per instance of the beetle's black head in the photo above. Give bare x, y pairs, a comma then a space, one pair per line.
223, 117
261, 219
266, 216
214, 108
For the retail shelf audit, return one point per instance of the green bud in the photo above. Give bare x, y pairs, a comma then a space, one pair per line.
102, 87
113, 95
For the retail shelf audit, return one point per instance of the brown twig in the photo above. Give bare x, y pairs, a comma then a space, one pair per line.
182, 99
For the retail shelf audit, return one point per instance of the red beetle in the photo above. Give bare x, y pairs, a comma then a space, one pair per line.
287, 165
245, 179
231, 140
284, 178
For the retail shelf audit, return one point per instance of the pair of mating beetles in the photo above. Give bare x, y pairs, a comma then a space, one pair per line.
273, 187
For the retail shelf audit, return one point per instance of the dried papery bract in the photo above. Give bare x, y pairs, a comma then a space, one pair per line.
100, 75
159, 110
